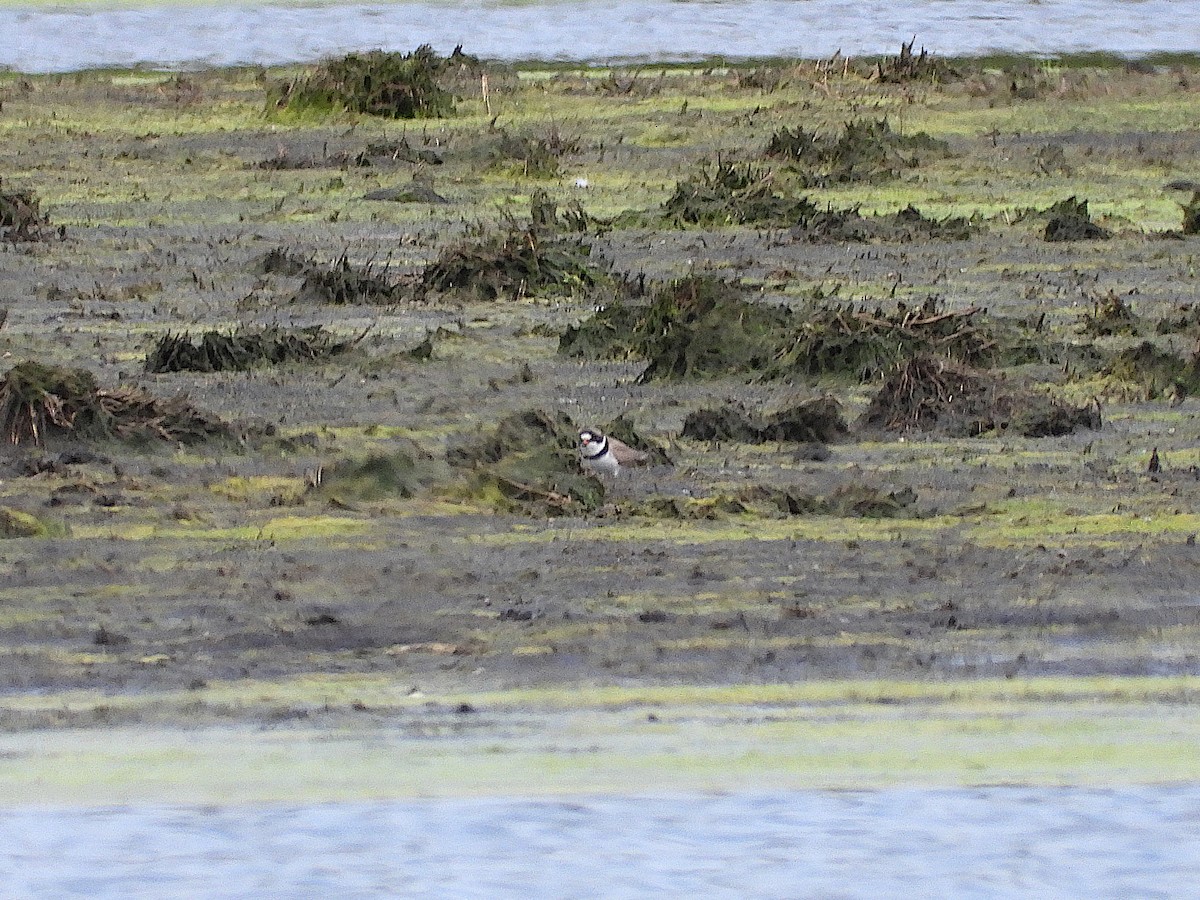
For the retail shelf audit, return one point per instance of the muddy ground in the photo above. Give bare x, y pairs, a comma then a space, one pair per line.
155, 568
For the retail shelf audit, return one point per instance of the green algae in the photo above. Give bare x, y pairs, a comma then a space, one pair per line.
826, 735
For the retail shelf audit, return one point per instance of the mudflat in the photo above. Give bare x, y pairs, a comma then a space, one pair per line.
330, 528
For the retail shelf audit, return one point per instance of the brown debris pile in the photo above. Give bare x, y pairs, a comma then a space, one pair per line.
344, 284
1070, 221
529, 464
241, 350
21, 218
40, 402
865, 150
518, 260
909, 67
818, 420
937, 395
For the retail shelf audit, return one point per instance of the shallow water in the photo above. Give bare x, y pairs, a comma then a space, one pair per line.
994, 842
42, 37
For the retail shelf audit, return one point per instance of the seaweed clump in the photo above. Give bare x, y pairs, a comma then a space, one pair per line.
936, 395
909, 67
729, 193
241, 350
695, 327
818, 420
40, 402
1109, 316
701, 327
393, 85
342, 284
1070, 221
21, 218
865, 151
532, 155
403, 472
518, 260
1156, 373
1191, 215
528, 464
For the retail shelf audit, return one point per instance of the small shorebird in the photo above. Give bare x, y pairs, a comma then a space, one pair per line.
604, 455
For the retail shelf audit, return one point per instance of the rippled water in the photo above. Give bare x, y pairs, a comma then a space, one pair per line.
44, 37
996, 842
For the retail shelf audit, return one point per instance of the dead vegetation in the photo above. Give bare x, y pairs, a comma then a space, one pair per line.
21, 218
815, 421
393, 85
701, 327
1110, 315
725, 193
864, 151
215, 351
948, 398
531, 155
528, 464
1155, 373
342, 283
549, 254
1069, 220
401, 472
40, 403
907, 67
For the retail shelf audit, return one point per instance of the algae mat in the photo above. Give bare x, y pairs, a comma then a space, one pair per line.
834, 735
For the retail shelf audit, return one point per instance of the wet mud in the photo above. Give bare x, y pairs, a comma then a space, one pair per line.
901, 453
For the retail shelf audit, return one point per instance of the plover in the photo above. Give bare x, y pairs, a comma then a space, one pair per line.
602, 455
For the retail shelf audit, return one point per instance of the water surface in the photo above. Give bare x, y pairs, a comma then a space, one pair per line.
996, 842
50, 37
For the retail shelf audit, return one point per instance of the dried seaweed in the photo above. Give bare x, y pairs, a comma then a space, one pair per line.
395, 85
865, 150
1156, 373
938, 395
1110, 315
529, 464
729, 193
1070, 221
702, 327
240, 350
343, 283
818, 420
909, 67
517, 260
21, 218
39, 402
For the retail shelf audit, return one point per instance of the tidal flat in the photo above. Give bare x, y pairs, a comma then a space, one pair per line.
933, 591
